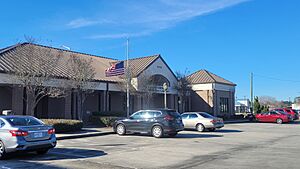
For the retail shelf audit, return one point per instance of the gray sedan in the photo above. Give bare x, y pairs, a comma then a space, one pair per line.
201, 121
25, 133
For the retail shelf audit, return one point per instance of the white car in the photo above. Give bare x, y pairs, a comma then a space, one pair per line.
201, 121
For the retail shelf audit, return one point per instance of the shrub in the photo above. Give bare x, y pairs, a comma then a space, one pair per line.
106, 121
64, 125
110, 113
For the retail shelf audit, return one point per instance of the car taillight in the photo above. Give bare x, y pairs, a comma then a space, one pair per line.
169, 118
18, 133
51, 131
213, 121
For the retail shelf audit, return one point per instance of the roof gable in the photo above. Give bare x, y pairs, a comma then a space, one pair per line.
204, 76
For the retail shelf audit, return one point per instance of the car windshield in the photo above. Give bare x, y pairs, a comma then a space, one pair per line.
206, 115
23, 121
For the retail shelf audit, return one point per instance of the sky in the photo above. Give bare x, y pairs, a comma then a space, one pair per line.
230, 38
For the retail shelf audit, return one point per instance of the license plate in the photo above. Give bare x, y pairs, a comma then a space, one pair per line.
37, 135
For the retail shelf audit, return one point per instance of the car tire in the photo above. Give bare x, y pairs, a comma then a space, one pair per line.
41, 152
120, 129
172, 134
279, 121
200, 127
2, 151
157, 131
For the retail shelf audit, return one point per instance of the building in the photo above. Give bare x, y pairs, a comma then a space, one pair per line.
296, 104
242, 106
212, 93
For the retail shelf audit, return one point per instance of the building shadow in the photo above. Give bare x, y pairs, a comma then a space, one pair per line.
196, 135
57, 154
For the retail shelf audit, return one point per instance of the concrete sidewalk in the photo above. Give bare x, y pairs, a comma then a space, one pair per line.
85, 132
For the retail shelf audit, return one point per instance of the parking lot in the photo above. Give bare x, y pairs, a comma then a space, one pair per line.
243, 145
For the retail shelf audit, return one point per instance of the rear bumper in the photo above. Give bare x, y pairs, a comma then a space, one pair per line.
32, 146
217, 125
173, 129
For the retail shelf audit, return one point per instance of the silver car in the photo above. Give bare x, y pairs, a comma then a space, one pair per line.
25, 133
201, 121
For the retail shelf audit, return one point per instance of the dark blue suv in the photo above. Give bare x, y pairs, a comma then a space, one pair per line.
155, 122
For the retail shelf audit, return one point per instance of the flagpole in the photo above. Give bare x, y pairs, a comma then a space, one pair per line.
128, 76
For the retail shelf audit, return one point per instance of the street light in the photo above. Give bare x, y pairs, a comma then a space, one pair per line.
165, 87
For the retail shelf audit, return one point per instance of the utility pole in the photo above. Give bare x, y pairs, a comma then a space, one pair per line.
128, 77
251, 91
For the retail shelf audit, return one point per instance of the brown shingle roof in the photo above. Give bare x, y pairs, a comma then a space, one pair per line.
138, 65
204, 76
8, 57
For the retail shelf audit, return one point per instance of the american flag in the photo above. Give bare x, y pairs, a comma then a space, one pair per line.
116, 69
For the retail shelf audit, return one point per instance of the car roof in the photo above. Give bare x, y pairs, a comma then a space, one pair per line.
11, 116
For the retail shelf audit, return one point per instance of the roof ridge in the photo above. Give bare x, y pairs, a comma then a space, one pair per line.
156, 55
221, 77
70, 51
4, 50
209, 74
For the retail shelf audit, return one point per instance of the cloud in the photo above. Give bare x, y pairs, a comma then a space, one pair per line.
137, 18
81, 22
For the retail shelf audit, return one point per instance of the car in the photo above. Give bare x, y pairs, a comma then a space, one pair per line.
288, 111
201, 121
278, 117
25, 133
155, 122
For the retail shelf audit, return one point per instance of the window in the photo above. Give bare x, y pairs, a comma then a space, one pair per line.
273, 113
156, 114
136, 115
224, 105
184, 116
1, 123
193, 116
23, 121
206, 115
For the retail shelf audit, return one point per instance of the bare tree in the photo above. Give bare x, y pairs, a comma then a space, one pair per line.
81, 74
34, 70
183, 87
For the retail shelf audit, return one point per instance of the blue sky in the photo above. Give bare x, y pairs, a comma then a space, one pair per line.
230, 38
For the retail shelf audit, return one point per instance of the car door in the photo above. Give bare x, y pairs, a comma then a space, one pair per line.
133, 122
192, 120
273, 116
263, 117
184, 118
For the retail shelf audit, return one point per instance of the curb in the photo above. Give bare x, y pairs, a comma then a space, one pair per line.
83, 135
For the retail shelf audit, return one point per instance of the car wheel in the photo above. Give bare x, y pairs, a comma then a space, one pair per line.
41, 152
200, 127
121, 130
157, 132
279, 121
2, 151
172, 134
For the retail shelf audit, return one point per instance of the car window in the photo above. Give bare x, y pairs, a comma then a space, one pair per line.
184, 116
156, 114
193, 116
136, 115
273, 113
1, 123
174, 114
23, 121
147, 115
206, 115
288, 111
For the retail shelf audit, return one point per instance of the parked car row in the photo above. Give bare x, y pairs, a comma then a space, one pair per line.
166, 122
276, 116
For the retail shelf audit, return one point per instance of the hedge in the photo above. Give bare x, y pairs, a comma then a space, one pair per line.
64, 125
106, 121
